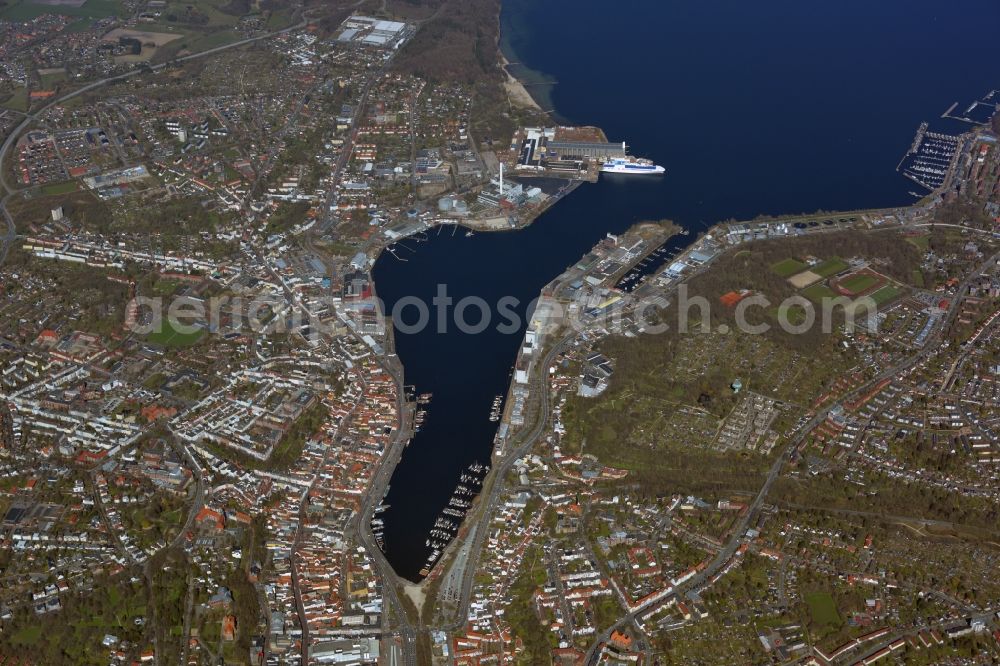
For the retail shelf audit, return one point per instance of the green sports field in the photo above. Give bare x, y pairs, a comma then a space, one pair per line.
169, 336
60, 188
817, 292
788, 267
885, 294
822, 608
830, 267
858, 283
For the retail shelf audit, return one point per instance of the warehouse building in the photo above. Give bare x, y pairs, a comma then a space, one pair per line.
588, 150
373, 31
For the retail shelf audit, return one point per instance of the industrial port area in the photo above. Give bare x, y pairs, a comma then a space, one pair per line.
540, 166
565, 152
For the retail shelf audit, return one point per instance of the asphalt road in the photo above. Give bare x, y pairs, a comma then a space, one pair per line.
11, 233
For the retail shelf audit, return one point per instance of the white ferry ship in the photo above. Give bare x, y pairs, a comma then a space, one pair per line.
631, 165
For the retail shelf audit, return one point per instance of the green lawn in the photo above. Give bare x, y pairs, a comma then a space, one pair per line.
817, 292
17, 100
24, 10
27, 636
211, 9
164, 287
50, 80
922, 242
169, 336
192, 41
211, 40
829, 267
279, 18
794, 315
154, 382
823, 609
59, 188
788, 267
858, 283
885, 294
175, 517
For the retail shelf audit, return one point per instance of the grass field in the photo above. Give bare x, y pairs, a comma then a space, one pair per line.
818, 292
829, 267
823, 609
82, 206
921, 242
885, 294
192, 42
164, 287
25, 10
788, 267
212, 9
27, 636
50, 79
17, 101
211, 40
169, 336
794, 315
216, 29
178, 11
279, 18
59, 188
856, 284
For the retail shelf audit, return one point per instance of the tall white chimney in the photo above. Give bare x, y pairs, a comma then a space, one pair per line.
501, 179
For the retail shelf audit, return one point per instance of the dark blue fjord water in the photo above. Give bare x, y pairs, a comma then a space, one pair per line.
778, 106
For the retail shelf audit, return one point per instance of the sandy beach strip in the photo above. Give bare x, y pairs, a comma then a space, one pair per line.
516, 92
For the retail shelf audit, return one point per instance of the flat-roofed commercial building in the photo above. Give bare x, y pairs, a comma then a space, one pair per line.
570, 149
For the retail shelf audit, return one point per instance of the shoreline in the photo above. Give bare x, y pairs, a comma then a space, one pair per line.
502, 458
516, 89
519, 95
499, 453
517, 92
